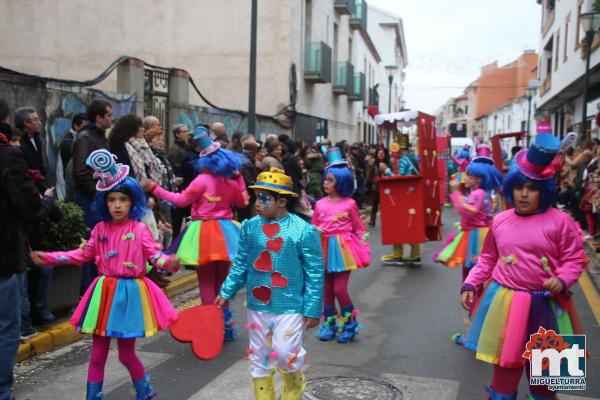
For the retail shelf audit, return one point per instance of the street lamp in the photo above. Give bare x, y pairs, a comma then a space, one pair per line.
590, 23
389, 71
531, 90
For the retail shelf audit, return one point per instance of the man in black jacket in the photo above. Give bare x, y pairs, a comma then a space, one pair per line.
92, 137
19, 203
28, 121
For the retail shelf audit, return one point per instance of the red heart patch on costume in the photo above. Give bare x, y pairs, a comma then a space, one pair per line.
278, 280
203, 327
262, 294
270, 230
264, 262
275, 244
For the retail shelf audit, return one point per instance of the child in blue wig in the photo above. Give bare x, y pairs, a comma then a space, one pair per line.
210, 241
345, 246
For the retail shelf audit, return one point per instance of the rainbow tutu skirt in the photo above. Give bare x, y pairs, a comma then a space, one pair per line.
345, 252
202, 242
464, 249
123, 308
504, 319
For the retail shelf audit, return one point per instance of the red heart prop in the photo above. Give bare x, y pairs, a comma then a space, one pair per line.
262, 293
275, 244
203, 327
264, 262
270, 230
278, 280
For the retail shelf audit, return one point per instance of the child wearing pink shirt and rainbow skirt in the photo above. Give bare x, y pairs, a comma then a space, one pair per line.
120, 303
210, 241
534, 255
345, 247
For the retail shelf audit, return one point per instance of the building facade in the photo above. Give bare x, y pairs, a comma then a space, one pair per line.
562, 66
315, 59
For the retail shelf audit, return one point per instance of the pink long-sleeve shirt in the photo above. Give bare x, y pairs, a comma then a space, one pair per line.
120, 249
212, 197
338, 216
517, 248
474, 209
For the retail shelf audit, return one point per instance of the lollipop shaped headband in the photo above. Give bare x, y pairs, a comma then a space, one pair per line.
108, 172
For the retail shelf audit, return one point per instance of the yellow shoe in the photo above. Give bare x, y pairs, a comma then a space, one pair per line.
293, 385
415, 255
396, 254
264, 388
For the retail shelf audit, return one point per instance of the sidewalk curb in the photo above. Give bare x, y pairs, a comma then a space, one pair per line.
64, 333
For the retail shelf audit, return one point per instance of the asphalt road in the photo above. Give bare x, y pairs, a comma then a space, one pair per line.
409, 314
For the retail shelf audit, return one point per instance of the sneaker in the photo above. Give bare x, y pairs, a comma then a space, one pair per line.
393, 261
28, 333
412, 260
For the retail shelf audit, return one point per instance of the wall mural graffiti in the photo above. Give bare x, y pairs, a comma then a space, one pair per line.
232, 121
61, 107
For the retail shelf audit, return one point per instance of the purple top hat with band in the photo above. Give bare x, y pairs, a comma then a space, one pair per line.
202, 139
334, 157
535, 162
108, 172
484, 155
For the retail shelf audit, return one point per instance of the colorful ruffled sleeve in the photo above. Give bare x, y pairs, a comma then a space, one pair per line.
486, 263
152, 251
311, 254
572, 255
238, 274
79, 256
185, 198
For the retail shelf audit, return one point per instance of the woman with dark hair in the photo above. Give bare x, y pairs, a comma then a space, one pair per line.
126, 141
274, 157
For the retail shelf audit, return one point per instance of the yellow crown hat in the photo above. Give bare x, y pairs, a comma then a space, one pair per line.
276, 181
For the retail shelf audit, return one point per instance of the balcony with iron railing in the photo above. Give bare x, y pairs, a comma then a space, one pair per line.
358, 19
343, 78
317, 63
358, 87
345, 6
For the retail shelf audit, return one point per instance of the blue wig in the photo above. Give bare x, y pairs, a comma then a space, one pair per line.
344, 181
221, 163
464, 154
490, 177
131, 188
547, 188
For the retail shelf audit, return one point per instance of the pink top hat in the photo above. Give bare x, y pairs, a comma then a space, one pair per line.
484, 155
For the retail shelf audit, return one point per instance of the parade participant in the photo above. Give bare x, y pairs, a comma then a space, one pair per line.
475, 212
280, 262
121, 302
462, 160
534, 255
407, 164
210, 241
345, 246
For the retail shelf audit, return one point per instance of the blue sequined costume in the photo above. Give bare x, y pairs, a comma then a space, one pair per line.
281, 264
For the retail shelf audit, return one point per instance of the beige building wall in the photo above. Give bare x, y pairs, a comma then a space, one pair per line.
210, 39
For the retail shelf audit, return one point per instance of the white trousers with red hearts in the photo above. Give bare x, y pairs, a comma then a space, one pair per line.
275, 342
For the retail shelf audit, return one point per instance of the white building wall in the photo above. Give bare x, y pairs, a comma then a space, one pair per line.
211, 40
384, 38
